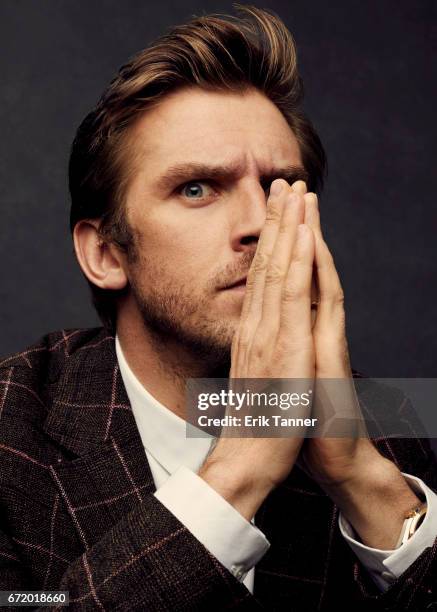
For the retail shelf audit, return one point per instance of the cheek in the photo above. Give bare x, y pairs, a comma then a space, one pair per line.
177, 262
192, 245
186, 247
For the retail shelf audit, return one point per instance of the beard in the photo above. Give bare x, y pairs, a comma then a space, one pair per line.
174, 315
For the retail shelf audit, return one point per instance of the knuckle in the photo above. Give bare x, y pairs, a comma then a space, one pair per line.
257, 352
284, 227
260, 264
297, 259
244, 337
250, 284
264, 336
273, 214
299, 254
293, 292
339, 297
274, 275
302, 346
334, 296
258, 348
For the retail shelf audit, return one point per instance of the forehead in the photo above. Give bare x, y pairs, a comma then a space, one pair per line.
215, 127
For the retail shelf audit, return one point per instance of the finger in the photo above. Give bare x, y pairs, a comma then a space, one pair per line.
299, 187
329, 324
255, 280
296, 297
330, 311
312, 215
279, 263
312, 218
328, 280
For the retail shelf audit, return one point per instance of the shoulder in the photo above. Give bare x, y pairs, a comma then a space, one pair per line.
53, 349
28, 377
29, 381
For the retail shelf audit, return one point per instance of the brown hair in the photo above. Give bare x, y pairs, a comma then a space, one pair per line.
213, 52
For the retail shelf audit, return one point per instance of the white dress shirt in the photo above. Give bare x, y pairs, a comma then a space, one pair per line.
237, 543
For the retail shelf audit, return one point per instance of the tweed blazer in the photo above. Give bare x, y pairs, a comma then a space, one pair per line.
77, 510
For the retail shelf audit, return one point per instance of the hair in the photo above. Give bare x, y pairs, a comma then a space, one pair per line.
253, 49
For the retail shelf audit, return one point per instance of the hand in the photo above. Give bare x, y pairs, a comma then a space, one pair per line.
332, 461
273, 340
277, 338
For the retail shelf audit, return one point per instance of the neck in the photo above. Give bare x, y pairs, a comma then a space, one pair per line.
162, 365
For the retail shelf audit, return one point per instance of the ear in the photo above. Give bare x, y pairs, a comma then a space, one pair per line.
101, 262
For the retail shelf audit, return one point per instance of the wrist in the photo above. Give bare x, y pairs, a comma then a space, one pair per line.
378, 478
376, 503
237, 484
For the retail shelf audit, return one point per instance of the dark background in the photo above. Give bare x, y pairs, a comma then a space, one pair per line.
369, 90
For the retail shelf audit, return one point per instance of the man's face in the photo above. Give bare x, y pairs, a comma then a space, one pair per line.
197, 205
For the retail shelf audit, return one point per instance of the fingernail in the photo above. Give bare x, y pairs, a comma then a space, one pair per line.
276, 187
300, 186
293, 198
312, 197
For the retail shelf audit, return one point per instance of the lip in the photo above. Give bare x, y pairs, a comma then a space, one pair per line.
239, 285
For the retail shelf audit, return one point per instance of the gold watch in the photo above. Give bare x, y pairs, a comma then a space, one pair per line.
413, 520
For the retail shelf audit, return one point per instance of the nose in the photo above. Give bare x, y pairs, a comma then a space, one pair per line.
248, 214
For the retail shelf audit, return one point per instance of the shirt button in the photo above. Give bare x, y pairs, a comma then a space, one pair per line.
388, 576
238, 571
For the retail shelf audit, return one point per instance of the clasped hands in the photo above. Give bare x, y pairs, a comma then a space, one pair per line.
281, 337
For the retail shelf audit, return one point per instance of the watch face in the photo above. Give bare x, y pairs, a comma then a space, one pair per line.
414, 523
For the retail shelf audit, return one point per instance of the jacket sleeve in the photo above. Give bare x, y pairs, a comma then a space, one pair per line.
147, 561
416, 588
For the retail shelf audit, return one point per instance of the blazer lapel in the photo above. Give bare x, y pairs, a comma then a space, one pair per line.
102, 467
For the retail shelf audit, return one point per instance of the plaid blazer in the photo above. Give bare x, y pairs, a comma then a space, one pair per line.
77, 510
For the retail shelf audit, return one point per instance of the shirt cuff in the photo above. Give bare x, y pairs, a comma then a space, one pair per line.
386, 565
233, 540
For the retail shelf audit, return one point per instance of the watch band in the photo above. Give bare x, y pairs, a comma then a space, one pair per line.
412, 522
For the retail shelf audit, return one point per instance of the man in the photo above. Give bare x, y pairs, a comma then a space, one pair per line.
195, 221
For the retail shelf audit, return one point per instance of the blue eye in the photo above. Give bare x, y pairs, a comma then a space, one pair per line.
194, 191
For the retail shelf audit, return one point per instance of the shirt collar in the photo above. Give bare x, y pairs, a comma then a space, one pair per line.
162, 432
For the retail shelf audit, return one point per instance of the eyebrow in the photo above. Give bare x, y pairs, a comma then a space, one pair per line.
186, 172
